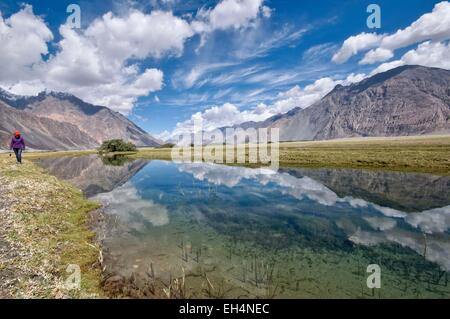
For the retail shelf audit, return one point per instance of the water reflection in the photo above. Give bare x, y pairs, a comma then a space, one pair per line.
91, 173
126, 203
259, 233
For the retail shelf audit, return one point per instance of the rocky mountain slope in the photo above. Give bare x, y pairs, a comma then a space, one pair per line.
41, 132
408, 100
64, 118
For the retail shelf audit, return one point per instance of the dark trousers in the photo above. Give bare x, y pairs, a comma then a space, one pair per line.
18, 152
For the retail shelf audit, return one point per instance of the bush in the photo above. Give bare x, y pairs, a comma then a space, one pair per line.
117, 145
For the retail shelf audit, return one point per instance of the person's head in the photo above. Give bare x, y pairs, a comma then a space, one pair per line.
17, 133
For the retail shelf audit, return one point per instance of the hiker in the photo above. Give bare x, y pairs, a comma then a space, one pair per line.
18, 145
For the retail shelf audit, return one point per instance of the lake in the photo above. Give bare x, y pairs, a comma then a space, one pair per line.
214, 231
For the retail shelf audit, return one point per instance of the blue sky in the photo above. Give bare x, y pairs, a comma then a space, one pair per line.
254, 66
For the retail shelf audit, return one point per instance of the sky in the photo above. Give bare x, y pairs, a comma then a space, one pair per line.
165, 63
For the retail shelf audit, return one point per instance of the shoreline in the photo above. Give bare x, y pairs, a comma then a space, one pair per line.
414, 154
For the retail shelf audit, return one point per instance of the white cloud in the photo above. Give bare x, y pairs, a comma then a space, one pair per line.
430, 54
433, 26
23, 41
387, 66
100, 64
229, 14
378, 54
139, 35
355, 44
430, 26
92, 63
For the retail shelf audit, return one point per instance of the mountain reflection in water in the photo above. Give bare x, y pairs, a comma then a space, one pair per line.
261, 233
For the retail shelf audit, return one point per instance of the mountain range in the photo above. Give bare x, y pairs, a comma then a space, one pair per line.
408, 100
60, 121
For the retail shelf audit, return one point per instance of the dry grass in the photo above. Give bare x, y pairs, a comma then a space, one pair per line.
428, 154
43, 154
45, 227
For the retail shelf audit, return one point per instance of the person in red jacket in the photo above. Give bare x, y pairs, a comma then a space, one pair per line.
18, 145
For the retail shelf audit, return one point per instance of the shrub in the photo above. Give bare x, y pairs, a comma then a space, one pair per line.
117, 145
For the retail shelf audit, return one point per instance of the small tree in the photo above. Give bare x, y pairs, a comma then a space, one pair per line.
117, 145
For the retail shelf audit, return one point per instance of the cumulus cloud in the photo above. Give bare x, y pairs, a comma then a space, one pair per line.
355, 44
23, 38
94, 63
430, 26
230, 14
379, 54
387, 66
101, 63
433, 26
430, 54
139, 35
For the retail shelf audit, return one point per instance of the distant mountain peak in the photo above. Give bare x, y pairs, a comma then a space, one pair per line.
8, 95
56, 94
404, 71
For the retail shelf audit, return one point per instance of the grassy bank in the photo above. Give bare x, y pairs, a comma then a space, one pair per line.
44, 229
427, 154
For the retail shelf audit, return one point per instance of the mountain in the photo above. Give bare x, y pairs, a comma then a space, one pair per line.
41, 132
53, 120
408, 100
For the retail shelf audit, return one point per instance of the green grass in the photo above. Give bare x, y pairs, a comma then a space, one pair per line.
48, 221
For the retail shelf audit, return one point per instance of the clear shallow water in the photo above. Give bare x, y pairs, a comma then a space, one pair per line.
242, 232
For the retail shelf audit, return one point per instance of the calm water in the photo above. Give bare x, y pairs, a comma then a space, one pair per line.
242, 232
